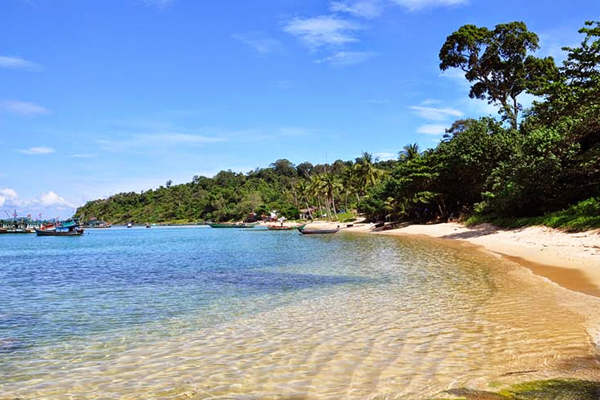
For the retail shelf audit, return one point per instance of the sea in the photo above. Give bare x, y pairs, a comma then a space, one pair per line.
201, 313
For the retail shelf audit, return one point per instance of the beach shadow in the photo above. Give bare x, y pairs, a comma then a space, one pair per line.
474, 232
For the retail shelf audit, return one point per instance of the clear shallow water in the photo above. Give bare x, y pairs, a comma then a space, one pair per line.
207, 313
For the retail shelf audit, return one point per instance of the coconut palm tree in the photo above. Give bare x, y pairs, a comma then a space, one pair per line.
410, 152
368, 174
303, 190
331, 184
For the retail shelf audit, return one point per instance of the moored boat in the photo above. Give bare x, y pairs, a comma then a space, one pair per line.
242, 225
284, 227
318, 231
70, 228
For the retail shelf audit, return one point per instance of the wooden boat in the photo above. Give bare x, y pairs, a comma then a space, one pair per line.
284, 228
3, 230
318, 231
243, 225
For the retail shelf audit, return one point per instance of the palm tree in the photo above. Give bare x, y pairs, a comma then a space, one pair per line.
303, 190
410, 152
331, 184
315, 188
367, 173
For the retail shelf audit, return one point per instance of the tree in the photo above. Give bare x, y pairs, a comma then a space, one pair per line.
367, 173
410, 152
497, 63
169, 183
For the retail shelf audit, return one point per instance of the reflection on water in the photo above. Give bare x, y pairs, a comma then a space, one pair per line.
200, 313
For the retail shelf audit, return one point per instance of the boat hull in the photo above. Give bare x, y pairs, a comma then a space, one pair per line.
40, 232
231, 226
318, 231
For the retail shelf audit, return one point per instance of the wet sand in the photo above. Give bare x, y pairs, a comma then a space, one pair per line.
572, 260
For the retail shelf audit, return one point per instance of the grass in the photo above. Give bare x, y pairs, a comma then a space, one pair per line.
582, 216
555, 389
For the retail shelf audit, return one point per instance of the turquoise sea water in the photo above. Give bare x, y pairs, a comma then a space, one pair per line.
203, 313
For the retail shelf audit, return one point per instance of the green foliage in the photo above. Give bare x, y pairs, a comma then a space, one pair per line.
497, 63
579, 217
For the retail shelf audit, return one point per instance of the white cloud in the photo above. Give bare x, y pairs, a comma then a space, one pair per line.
8, 195
345, 58
261, 43
51, 199
432, 129
18, 63
415, 5
385, 155
430, 101
83, 155
36, 151
436, 114
361, 8
323, 31
22, 108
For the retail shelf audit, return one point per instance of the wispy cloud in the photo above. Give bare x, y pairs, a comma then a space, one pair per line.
260, 42
432, 129
283, 84
415, 5
18, 63
158, 3
37, 151
345, 58
436, 114
322, 31
157, 141
22, 108
361, 8
83, 155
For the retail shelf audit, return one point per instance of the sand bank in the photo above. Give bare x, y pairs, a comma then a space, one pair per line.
570, 259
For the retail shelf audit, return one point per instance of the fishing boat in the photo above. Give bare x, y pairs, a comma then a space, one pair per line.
70, 228
318, 231
242, 225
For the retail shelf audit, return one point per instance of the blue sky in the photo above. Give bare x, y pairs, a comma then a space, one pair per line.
100, 97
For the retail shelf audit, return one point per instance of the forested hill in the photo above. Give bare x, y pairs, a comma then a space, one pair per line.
537, 166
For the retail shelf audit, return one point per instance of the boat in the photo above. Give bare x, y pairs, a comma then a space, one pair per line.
284, 227
318, 231
242, 225
147, 226
129, 225
70, 228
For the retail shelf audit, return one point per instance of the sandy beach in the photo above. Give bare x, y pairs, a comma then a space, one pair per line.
572, 260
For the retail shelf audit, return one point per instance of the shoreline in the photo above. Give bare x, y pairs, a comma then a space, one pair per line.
571, 260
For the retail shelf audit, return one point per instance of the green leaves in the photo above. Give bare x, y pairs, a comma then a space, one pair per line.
497, 63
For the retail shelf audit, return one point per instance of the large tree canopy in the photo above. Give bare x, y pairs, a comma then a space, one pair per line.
497, 63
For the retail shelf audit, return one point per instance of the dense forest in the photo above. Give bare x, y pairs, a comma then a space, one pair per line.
536, 165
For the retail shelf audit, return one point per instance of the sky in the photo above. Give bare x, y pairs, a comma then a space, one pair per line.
102, 97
